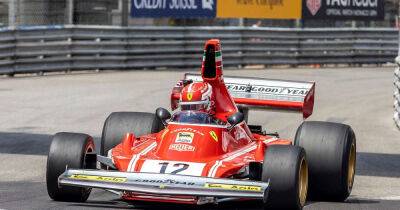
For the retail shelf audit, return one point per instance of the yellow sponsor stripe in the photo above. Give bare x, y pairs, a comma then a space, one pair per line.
233, 187
98, 178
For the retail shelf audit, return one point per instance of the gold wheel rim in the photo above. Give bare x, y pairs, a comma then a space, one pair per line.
303, 181
352, 166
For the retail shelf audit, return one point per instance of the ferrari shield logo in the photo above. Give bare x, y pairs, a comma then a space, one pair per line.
189, 96
313, 6
214, 136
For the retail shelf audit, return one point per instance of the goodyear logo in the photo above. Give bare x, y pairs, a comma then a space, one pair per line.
98, 178
189, 96
214, 136
233, 187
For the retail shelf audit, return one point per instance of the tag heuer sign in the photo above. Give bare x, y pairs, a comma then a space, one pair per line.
313, 6
343, 9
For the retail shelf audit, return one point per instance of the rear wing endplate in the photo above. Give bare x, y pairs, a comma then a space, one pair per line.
280, 94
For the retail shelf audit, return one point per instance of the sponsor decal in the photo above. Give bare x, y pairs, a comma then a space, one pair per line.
313, 6
182, 147
188, 130
98, 178
233, 187
214, 136
189, 96
184, 137
267, 89
163, 182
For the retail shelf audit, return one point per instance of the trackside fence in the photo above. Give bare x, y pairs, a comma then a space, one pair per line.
68, 48
396, 116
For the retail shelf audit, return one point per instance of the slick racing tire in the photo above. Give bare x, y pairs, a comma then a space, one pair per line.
68, 150
119, 124
331, 155
285, 167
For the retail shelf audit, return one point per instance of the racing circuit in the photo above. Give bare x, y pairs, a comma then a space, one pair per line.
34, 108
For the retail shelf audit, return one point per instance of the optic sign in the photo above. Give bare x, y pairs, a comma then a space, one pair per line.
343, 9
173, 8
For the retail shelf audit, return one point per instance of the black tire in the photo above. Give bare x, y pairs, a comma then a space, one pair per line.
245, 111
68, 149
285, 166
118, 124
331, 155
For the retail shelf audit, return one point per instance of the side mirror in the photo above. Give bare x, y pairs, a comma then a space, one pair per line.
235, 119
163, 115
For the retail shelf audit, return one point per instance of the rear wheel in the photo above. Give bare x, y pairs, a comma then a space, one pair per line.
118, 124
331, 155
68, 150
285, 167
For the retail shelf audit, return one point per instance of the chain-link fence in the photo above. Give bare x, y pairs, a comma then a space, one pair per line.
116, 12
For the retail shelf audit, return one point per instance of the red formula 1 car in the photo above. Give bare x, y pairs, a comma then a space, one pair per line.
197, 157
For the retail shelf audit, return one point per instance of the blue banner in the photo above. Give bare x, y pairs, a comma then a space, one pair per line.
173, 8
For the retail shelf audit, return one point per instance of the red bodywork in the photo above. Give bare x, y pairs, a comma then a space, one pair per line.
193, 149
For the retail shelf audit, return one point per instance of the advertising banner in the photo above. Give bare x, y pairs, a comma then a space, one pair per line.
173, 8
272, 9
343, 9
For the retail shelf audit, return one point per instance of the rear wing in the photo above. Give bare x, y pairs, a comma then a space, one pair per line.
269, 93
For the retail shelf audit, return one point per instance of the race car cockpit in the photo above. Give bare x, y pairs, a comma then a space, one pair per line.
193, 117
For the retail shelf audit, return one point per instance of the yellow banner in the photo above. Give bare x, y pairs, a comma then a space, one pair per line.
272, 9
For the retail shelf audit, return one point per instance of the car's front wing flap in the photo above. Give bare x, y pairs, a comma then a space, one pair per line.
165, 184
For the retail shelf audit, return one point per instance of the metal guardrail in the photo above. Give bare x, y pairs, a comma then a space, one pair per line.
68, 48
396, 115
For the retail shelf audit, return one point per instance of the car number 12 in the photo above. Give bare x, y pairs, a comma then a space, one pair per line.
172, 167
179, 167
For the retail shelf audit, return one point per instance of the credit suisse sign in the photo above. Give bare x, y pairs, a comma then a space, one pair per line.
173, 8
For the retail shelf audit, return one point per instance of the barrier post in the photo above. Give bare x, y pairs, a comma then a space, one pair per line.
396, 115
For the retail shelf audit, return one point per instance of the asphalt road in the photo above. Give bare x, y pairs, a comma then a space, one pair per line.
34, 108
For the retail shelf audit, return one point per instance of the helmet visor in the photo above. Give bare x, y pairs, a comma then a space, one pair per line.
197, 105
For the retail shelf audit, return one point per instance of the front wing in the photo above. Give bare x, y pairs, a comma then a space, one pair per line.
165, 184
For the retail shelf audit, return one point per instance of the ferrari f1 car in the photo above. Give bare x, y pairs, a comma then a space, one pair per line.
194, 157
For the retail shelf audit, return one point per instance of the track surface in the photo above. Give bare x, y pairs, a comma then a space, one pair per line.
34, 108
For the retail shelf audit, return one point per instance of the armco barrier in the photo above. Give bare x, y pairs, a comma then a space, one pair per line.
396, 116
64, 48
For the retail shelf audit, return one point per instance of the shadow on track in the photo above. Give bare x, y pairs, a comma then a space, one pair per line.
28, 143
377, 164
24, 143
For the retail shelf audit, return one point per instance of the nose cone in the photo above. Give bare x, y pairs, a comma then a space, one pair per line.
190, 143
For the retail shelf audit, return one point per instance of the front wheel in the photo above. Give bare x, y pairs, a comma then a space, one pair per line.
286, 168
118, 124
331, 154
68, 150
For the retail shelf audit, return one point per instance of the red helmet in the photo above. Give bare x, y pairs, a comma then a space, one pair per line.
196, 96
